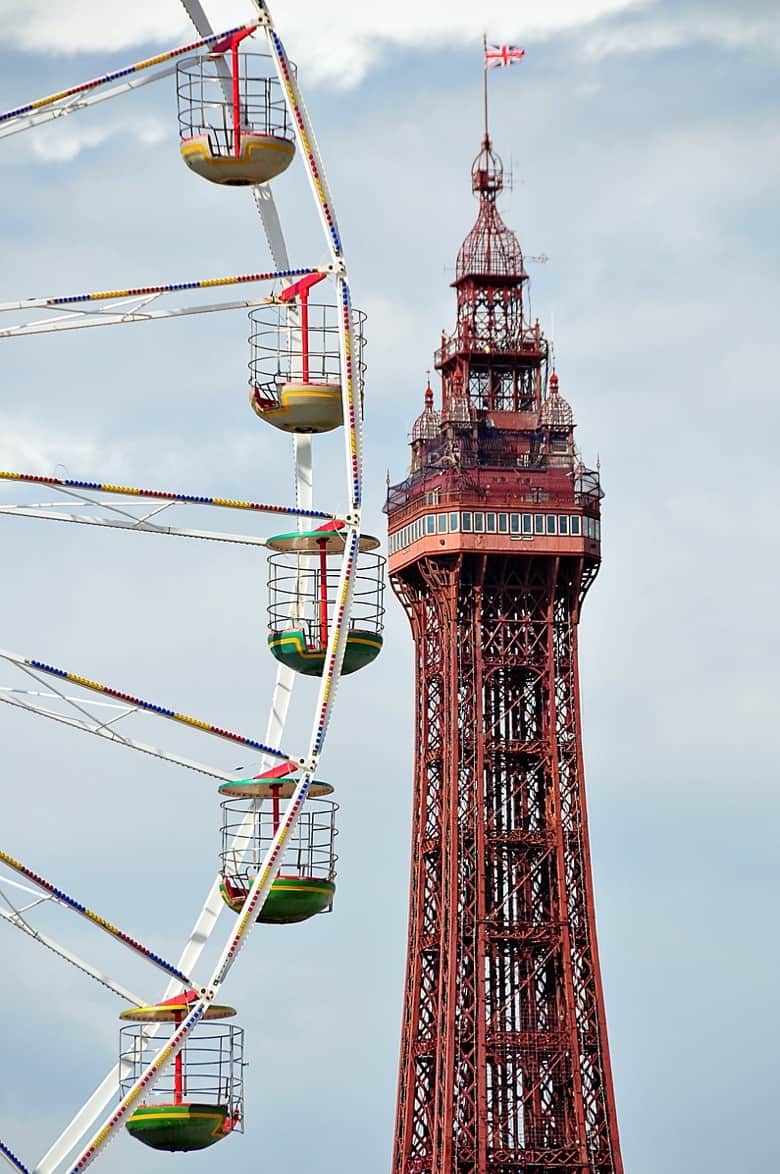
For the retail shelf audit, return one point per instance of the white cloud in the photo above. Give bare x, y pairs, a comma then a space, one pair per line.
62, 147
338, 41
656, 34
88, 25
61, 143
27, 445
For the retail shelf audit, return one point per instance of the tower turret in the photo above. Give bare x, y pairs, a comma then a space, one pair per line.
426, 427
556, 420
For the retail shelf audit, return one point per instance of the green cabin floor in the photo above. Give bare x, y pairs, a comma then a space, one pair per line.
291, 649
179, 1128
291, 899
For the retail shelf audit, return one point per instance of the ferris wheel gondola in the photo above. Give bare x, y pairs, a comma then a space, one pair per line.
241, 121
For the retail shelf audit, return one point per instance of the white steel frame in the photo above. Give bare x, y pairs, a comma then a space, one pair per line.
83, 1135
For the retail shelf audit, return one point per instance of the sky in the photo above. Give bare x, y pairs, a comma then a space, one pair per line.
642, 139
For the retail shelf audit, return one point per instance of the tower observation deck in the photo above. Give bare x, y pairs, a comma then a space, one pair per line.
494, 539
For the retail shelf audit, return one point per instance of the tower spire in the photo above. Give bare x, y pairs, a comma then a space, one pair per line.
486, 138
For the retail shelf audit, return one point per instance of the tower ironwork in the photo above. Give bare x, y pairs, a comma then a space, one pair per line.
494, 540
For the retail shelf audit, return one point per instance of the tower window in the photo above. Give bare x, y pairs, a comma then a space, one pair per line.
479, 522
441, 523
465, 522
538, 523
514, 523
527, 524
503, 520
490, 523
551, 527
563, 524
575, 525
454, 520
430, 524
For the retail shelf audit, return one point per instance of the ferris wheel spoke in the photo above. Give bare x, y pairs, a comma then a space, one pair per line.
73, 105
60, 897
141, 526
337, 640
33, 668
22, 923
81, 310
272, 225
153, 502
353, 407
67, 101
304, 134
11, 1158
70, 319
104, 730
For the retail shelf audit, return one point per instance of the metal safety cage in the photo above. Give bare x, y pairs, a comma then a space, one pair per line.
290, 345
309, 851
211, 1070
302, 595
206, 107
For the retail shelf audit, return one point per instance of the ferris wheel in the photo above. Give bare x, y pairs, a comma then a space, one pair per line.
242, 120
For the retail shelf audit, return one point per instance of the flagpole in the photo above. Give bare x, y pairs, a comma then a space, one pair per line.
484, 83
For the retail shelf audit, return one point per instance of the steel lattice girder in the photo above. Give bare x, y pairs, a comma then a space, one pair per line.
504, 1063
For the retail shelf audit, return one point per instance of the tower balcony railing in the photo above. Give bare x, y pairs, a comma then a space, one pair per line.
425, 491
402, 507
523, 342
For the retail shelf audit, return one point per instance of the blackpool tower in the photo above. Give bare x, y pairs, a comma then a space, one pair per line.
495, 538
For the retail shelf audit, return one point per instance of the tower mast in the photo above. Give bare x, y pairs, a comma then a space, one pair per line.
495, 538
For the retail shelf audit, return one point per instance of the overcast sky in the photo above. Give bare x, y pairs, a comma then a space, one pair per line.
643, 140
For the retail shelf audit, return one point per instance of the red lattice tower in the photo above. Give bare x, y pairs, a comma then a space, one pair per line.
494, 541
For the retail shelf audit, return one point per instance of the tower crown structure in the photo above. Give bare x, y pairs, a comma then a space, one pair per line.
494, 539
490, 249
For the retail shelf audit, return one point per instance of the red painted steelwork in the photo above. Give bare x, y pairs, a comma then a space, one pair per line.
178, 1069
504, 1064
305, 335
300, 289
235, 41
323, 594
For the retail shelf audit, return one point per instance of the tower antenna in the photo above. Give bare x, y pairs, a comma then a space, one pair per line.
484, 84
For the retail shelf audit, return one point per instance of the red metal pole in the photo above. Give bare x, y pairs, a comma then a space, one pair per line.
323, 593
178, 1070
275, 812
236, 100
304, 295
235, 41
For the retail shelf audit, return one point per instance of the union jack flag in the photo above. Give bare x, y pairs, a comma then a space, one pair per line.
501, 55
